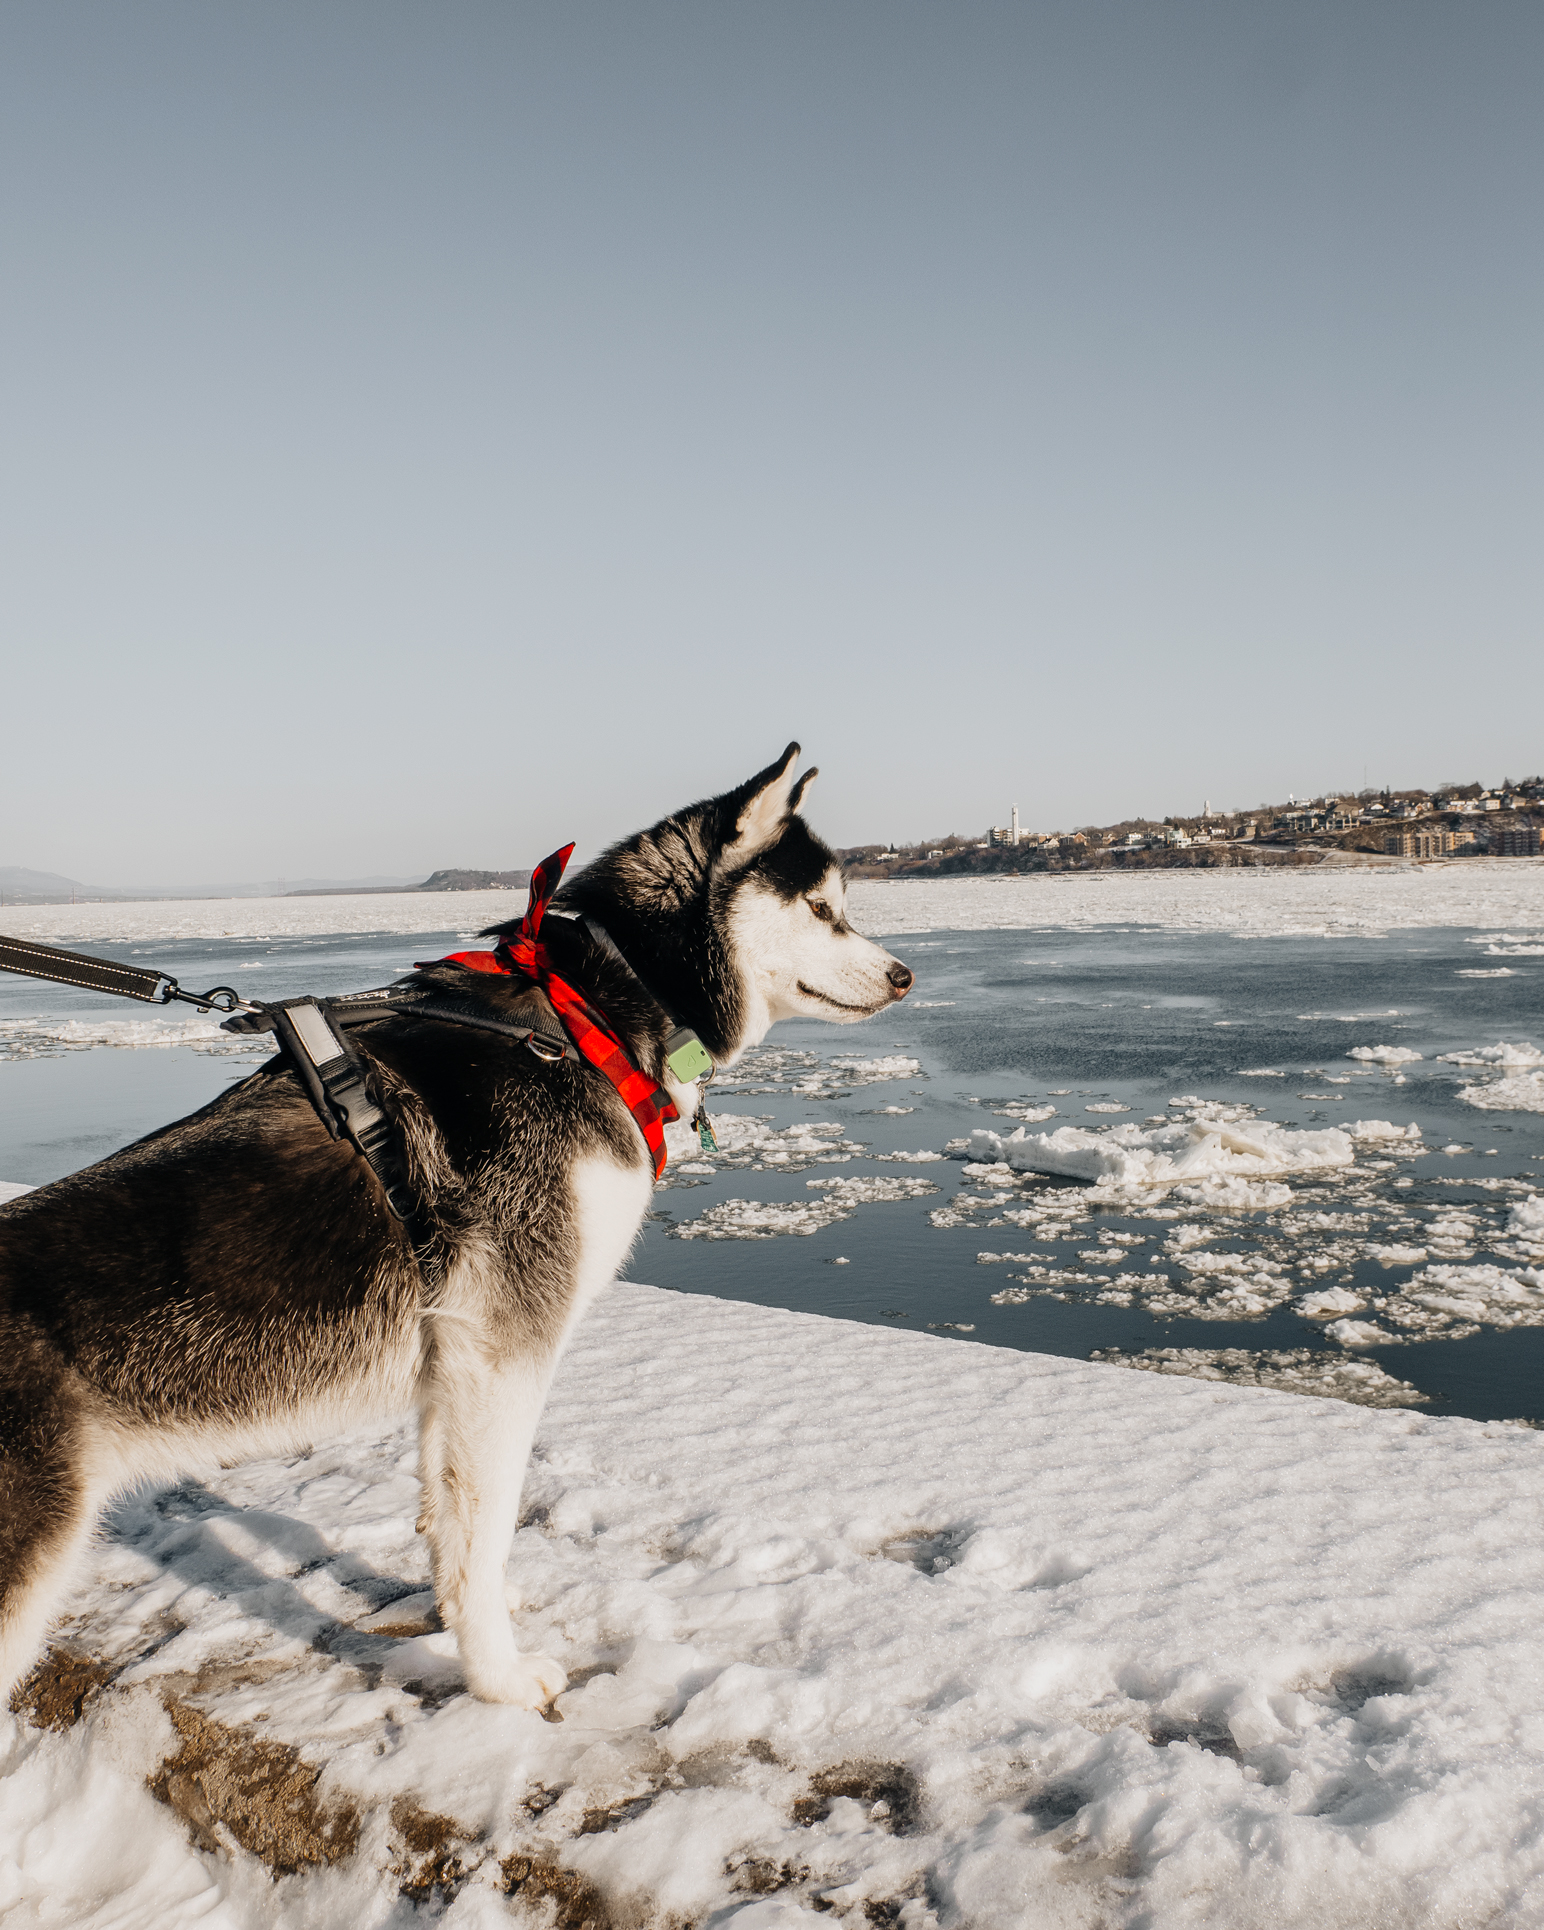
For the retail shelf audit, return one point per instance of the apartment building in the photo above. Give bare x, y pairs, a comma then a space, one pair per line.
1433, 843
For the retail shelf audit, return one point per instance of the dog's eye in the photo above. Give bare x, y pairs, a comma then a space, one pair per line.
821, 910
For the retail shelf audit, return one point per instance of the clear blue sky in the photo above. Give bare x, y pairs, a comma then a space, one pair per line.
433, 432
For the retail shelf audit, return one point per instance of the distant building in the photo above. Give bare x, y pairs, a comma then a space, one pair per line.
1515, 841
1013, 828
1434, 843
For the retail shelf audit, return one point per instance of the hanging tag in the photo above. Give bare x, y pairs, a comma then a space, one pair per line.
704, 1127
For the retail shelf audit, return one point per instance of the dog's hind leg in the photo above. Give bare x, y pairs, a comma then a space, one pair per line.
48, 1507
475, 1429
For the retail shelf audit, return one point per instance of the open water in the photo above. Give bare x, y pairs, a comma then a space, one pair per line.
1001, 1023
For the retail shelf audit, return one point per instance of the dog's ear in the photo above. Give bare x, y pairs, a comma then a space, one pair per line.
764, 806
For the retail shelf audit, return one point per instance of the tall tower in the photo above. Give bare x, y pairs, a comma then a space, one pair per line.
1013, 835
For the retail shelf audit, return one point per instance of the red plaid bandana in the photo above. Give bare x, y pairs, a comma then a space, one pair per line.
525, 955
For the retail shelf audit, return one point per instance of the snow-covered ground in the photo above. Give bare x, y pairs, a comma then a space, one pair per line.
863, 1627
1311, 900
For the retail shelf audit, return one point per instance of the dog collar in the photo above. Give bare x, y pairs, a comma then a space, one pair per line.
525, 956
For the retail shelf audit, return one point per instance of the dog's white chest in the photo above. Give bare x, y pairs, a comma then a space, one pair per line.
609, 1204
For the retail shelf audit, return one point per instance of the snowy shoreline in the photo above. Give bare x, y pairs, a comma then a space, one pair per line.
863, 1626
1310, 901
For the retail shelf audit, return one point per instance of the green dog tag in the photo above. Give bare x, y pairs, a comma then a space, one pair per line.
687, 1057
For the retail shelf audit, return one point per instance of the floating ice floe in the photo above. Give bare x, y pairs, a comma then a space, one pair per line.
768, 1219
1233, 1194
1455, 1301
1501, 1055
1328, 1303
1376, 1129
49, 1038
1186, 1152
1359, 1333
1504, 945
864, 1190
1294, 1370
779, 1069
1440, 1302
1384, 1055
1520, 1084
1520, 1092
759, 1220
1525, 1220
746, 1141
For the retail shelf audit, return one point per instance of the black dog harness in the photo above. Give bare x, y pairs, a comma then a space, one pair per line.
314, 1034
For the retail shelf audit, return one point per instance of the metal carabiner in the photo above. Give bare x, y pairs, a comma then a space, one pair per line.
219, 998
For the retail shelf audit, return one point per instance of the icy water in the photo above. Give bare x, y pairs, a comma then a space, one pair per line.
843, 1185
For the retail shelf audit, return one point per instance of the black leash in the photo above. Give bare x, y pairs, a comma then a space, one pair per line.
102, 975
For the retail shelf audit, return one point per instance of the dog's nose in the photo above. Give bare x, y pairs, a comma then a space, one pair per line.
901, 980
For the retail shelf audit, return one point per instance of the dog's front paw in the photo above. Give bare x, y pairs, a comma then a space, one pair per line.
524, 1681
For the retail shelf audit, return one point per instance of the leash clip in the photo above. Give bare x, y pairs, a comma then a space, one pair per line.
219, 998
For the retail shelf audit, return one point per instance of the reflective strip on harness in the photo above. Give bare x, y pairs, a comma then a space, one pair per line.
315, 1034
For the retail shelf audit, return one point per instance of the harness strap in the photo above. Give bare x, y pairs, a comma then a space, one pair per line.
335, 1082
544, 1034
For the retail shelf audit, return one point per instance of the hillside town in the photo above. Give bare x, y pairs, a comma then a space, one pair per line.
1454, 821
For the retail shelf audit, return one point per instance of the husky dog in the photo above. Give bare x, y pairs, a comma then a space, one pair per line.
234, 1285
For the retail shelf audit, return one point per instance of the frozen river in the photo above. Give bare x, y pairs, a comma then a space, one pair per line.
858, 1175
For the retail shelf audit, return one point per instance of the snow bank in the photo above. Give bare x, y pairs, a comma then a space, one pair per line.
862, 1626
1311, 901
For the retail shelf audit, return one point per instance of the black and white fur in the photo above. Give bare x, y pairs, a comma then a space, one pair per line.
234, 1286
